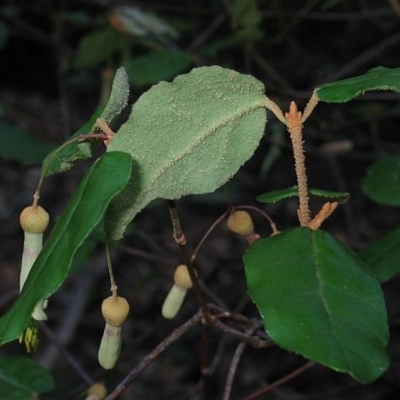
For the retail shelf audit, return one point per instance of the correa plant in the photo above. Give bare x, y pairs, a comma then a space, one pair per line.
316, 296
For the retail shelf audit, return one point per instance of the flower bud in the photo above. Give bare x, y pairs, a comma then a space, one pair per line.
115, 310
240, 222
34, 219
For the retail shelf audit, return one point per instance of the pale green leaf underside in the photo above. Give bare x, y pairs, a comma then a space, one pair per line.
187, 137
118, 97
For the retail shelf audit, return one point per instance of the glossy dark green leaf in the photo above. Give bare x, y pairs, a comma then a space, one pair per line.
277, 195
157, 66
383, 255
382, 181
379, 78
106, 178
318, 299
20, 145
22, 379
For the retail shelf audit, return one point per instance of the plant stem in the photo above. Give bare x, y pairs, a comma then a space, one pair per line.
281, 381
272, 106
295, 128
110, 269
56, 151
146, 361
180, 240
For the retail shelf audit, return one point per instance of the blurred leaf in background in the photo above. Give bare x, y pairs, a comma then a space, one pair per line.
22, 379
21, 145
157, 66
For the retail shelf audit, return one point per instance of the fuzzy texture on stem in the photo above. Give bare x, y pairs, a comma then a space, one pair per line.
295, 127
325, 212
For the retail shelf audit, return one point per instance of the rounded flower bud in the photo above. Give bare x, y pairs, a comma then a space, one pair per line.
115, 310
182, 277
240, 222
97, 391
34, 219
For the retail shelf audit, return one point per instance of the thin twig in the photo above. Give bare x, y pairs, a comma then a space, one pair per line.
395, 5
203, 239
146, 361
235, 362
281, 381
254, 341
146, 256
207, 33
370, 54
180, 240
67, 355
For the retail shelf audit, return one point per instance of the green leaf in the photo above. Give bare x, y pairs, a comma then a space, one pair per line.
157, 66
22, 379
20, 145
107, 177
61, 160
318, 299
383, 255
97, 47
379, 78
119, 96
246, 13
277, 195
382, 181
187, 137
4, 35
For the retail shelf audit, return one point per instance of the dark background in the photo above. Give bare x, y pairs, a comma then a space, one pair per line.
291, 46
